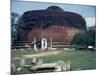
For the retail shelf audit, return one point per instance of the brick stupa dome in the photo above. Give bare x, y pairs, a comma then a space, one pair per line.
52, 22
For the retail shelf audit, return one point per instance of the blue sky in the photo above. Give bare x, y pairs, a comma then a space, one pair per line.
87, 11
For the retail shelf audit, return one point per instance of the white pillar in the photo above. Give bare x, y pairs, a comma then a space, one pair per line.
58, 68
43, 44
22, 62
40, 62
62, 64
68, 66
22, 50
35, 44
13, 67
34, 60
51, 42
64, 67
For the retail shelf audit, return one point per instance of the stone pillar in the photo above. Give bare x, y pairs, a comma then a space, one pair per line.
13, 68
62, 64
35, 48
22, 62
43, 44
22, 50
40, 62
51, 42
58, 68
68, 66
34, 60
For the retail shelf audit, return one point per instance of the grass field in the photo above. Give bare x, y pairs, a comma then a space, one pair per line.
80, 59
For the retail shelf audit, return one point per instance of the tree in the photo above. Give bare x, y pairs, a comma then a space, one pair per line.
54, 8
13, 17
85, 38
92, 33
14, 26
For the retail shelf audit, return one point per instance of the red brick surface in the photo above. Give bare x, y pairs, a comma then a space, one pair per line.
57, 33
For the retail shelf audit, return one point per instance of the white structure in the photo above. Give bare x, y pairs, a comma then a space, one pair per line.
22, 62
40, 62
13, 67
68, 65
35, 48
34, 60
51, 42
62, 65
90, 47
43, 43
58, 68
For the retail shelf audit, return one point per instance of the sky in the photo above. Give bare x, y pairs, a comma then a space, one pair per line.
87, 11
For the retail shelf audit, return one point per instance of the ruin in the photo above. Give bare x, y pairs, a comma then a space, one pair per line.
55, 24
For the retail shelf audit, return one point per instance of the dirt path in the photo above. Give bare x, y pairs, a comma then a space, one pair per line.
41, 54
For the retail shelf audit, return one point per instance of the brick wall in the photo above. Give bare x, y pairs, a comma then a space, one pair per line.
57, 33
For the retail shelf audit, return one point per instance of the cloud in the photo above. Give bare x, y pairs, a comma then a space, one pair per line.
90, 21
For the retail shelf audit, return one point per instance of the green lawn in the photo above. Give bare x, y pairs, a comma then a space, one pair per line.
80, 59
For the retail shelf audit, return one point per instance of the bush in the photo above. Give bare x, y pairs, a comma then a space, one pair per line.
84, 39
